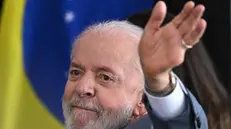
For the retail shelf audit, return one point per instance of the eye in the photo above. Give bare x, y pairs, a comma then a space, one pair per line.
105, 77
74, 73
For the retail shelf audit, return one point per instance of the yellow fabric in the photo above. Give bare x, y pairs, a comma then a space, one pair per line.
19, 106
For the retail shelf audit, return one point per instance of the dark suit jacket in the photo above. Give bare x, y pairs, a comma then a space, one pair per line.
192, 118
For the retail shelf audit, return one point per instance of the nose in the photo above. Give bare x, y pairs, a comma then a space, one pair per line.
85, 87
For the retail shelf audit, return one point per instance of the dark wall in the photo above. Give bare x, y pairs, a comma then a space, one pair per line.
0, 7
217, 36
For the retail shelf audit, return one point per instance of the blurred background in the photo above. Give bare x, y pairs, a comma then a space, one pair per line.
35, 43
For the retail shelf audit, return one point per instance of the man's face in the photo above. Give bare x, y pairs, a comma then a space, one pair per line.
100, 91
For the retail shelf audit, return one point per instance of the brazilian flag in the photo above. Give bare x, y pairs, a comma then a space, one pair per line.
35, 44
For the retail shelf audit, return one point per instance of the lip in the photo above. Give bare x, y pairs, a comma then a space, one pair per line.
81, 108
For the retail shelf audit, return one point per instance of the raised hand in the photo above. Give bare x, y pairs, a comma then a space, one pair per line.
163, 48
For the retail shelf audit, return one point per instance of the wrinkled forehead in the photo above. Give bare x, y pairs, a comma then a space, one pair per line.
116, 45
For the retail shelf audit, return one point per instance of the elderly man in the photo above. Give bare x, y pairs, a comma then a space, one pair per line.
114, 64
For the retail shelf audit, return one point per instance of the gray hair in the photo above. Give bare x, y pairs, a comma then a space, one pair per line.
108, 26
125, 26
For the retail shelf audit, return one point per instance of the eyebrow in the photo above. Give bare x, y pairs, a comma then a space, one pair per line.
100, 68
75, 65
106, 69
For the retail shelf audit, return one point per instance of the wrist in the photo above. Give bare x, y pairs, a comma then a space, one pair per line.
158, 82
161, 86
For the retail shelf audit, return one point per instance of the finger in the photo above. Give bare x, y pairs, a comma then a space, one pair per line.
188, 7
196, 34
157, 17
191, 21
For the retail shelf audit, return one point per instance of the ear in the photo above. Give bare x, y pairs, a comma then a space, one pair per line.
139, 111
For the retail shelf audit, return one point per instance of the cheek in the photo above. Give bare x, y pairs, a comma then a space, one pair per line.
113, 99
69, 90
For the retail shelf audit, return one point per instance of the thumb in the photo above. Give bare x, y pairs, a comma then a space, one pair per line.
157, 17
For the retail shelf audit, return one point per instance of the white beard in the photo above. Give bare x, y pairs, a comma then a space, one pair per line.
107, 119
